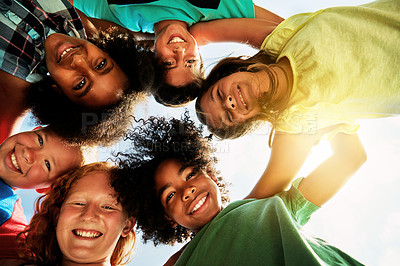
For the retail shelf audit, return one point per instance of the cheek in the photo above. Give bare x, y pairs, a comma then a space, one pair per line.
37, 175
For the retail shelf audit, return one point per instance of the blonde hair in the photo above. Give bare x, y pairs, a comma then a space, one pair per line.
38, 243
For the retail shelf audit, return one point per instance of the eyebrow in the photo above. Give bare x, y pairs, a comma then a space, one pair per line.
90, 85
169, 184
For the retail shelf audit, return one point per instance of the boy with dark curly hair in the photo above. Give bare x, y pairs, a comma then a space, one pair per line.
169, 182
71, 83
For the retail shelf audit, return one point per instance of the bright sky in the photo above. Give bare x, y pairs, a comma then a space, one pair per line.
363, 219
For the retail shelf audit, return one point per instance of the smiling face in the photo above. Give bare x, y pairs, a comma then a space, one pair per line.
189, 197
91, 221
177, 51
83, 72
34, 159
232, 100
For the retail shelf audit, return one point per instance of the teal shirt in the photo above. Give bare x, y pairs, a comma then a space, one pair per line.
143, 16
263, 232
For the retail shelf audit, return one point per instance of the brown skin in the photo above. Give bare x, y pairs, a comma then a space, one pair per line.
13, 107
12, 103
182, 58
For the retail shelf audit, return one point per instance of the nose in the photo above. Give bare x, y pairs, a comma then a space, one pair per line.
89, 213
230, 102
179, 51
29, 154
79, 61
189, 192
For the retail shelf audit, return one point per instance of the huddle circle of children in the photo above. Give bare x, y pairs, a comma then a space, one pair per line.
81, 67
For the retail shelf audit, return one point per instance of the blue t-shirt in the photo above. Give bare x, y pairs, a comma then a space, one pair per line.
8, 198
141, 15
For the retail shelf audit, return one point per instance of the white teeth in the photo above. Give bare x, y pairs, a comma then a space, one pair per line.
86, 234
198, 205
65, 51
241, 98
176, 40
14, 161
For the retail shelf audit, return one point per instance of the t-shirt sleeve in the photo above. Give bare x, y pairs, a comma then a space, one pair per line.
299, 208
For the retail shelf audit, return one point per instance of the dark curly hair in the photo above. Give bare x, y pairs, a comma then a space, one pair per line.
227, 67
106, 124
154, 141
172, 96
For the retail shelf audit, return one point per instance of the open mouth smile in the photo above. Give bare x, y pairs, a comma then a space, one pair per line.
199, 204
241, 97
15, 162
91, 234
176, 39
65, 50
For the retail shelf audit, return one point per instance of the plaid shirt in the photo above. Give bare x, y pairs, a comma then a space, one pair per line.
24, 26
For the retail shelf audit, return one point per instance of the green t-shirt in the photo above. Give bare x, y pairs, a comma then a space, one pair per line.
263, 232
143, 15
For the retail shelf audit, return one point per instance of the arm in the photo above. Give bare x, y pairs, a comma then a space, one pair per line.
241, 30
261, 13
13, 108
326, 180
288, 154
174, 258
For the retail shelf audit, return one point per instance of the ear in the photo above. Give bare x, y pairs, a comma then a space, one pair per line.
171, 221
213, 178
129, 224
56, 88
42, 190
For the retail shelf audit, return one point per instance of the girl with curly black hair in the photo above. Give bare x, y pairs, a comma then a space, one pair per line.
169, 183
157, 140
49, 66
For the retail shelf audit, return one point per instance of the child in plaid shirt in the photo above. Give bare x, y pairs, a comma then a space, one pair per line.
101, 76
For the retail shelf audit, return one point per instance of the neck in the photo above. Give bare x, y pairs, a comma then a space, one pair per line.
66, 262
278, 80
159, 26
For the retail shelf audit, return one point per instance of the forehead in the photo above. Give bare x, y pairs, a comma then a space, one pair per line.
99, 181
166, 172
181, 75
66, 156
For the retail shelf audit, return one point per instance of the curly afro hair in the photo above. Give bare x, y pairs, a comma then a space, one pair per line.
156, 140
105, 125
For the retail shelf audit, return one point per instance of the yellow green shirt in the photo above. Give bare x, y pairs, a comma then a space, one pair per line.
345, 62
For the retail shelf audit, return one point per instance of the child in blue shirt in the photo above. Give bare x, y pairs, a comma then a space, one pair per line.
29, 160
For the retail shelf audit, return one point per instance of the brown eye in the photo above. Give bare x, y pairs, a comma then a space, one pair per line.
80, 85
101, 65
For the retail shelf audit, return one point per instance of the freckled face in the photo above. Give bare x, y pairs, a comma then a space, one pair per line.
177, 50
232, 100
91, 221
190, 197
34, 159
83, 72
